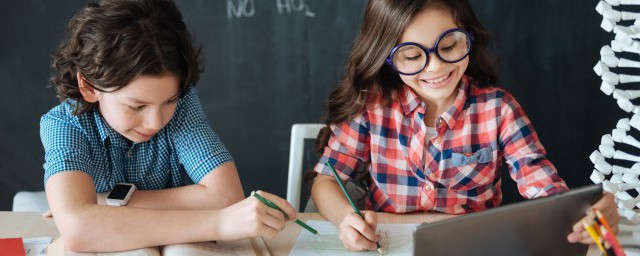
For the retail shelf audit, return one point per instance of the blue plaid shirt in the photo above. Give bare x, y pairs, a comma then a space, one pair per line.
184, 151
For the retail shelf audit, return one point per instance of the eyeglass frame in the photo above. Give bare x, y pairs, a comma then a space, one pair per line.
428, 51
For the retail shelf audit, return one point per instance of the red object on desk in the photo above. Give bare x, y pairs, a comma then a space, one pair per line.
11, 247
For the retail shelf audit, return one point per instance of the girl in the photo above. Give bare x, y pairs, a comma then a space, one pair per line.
420, 111
130, 114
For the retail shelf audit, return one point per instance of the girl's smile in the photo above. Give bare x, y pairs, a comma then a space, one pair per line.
438, 82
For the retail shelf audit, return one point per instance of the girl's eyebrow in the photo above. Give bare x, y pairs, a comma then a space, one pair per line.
137, 101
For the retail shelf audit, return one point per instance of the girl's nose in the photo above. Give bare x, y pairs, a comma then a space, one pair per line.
434, 64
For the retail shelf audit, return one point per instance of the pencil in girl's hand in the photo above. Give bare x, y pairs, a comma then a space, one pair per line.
589, 226
274, 206
344, 190
610, 238
606, 227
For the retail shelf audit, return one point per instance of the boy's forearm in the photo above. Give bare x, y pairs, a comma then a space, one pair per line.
97, 228
218, 189
191, 197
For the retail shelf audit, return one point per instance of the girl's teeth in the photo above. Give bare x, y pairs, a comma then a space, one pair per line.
435, 81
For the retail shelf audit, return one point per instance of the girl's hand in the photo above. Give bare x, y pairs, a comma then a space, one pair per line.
252, 218
359, 234
607, 206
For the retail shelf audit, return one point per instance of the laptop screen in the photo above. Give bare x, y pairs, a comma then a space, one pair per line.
533, 227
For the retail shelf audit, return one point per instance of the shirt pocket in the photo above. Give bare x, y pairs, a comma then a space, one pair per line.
472, 169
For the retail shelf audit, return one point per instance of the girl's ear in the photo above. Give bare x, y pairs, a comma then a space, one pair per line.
88, 92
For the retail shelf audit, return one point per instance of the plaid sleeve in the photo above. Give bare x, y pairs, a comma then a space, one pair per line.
528, 165
348, 148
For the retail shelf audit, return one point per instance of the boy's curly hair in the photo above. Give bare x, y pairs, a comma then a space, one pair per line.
113, 42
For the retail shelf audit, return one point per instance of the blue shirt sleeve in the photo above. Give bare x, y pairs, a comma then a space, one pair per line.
198, 147
65, 144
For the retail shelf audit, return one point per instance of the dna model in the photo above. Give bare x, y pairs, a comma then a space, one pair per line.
617, 160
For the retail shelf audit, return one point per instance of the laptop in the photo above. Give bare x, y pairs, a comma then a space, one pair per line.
533, 227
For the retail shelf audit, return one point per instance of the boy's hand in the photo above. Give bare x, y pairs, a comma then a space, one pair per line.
47, 214
251, 218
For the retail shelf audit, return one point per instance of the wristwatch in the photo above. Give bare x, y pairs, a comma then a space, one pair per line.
121, 194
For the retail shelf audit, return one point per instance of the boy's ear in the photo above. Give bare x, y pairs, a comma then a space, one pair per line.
88, 92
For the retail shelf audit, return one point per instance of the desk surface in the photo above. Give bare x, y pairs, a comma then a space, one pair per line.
19, 224
283, 242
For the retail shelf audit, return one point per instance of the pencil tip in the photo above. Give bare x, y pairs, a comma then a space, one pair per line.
380, 251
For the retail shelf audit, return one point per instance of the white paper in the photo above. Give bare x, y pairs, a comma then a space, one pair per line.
36, 246
396, 239
238, 248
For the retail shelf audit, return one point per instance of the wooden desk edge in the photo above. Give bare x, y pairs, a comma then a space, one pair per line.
21, 224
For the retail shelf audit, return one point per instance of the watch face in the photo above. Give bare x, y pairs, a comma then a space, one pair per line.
119, 192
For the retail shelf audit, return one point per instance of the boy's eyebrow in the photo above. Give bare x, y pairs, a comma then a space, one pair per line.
134, 100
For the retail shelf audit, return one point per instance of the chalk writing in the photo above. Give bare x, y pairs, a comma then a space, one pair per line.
247, 8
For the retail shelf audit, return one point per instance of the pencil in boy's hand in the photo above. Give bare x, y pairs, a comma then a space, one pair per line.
344, 190
274, 206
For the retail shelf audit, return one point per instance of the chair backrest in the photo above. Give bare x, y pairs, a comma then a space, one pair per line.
30, 201
299, 132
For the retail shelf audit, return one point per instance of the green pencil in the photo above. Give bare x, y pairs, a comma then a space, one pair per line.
274, 206
344, 190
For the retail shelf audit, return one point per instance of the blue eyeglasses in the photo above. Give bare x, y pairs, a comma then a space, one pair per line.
411, 58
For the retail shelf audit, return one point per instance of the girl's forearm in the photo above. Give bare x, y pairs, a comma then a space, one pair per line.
329, 199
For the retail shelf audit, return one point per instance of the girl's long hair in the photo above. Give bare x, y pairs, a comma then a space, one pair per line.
383, 24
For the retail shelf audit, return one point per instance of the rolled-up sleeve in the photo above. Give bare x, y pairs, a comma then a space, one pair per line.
348, 148
65, 145
199, 148
528, 165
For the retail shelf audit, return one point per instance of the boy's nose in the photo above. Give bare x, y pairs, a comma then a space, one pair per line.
153, 121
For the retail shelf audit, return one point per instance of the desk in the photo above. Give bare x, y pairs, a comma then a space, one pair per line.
20, 224
283, 242
27, 224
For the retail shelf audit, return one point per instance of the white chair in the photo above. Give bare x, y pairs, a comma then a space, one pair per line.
299, 132
27, 201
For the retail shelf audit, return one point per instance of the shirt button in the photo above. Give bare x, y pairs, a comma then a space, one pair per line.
440, 121
432, 176
437, 141
428, 188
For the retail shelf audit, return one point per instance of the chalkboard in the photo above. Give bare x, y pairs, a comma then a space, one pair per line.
272, 63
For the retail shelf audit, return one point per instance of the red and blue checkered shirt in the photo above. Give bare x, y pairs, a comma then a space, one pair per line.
455, 171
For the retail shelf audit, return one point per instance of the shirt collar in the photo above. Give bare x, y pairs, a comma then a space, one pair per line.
107, 132
410, 101
451, 115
